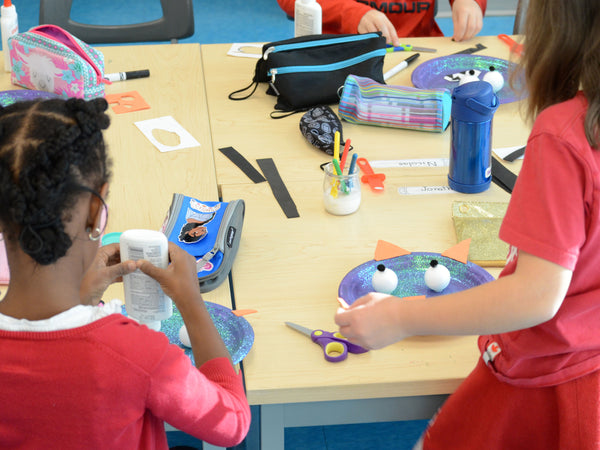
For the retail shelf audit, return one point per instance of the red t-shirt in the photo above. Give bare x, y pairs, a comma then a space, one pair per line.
554, 213
410, 18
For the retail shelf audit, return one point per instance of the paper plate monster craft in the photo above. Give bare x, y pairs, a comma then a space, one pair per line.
451, 70
410, 269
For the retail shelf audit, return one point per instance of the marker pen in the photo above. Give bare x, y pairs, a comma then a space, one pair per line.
122, 76
403, 65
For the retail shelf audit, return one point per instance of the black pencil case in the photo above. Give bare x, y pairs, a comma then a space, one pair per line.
310, 70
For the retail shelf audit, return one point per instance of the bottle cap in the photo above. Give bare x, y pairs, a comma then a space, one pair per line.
474, 102
7, 3
153, 324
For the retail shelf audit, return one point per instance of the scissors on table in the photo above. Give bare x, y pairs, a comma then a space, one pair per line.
408, 48
335, 346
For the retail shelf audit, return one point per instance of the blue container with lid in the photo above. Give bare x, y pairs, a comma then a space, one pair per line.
473, 108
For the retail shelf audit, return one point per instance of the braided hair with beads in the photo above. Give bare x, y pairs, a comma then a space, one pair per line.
50, 152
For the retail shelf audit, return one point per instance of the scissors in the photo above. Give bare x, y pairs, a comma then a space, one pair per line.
408, 48
514, 46
335, 346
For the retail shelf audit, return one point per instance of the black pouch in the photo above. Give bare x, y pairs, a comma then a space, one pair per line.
318, 125
310, 70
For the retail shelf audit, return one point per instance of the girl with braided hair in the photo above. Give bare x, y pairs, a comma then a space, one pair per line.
75, 374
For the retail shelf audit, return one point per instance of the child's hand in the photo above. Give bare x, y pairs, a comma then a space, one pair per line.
467, 18
180, 279
375, 20
371, 321
106, 269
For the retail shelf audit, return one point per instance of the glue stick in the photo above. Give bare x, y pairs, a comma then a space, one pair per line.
145, 300
9, 26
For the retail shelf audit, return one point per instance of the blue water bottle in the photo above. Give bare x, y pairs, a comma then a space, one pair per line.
473, 107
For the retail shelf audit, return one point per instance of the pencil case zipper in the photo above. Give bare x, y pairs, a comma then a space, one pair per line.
72, 45
318, 43
325, 67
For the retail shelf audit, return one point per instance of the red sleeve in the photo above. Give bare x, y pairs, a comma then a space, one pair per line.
339, 16
546, 213
208, 403
482, 4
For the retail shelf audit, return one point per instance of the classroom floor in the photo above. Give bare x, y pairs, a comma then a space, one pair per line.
255, 21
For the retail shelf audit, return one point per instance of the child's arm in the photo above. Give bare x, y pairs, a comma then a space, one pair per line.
467, 17
180, 282
531, 295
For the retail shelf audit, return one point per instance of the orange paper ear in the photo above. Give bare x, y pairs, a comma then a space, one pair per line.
385, 250
460, 252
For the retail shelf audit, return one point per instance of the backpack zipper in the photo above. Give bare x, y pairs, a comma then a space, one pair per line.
325, 67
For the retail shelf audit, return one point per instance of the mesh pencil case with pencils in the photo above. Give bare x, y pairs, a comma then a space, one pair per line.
365, 101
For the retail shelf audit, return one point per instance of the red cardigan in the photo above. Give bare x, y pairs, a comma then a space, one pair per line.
411, 18
111, 384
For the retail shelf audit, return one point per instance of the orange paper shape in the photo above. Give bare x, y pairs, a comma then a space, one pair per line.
127, 102
415, 297
243, 312
460, 252
386, 250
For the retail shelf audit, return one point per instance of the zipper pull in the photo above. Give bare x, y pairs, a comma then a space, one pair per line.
273, 72
268, 52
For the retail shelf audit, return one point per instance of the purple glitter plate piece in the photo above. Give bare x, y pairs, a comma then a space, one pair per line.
411, 276
21, 95
430, 74
235, 331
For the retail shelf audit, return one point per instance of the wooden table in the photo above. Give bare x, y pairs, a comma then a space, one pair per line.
145, 179
290, 269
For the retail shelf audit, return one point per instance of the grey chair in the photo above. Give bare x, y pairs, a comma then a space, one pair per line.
521, 13
176, 23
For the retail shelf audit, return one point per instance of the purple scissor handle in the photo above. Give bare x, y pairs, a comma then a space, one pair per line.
335, 346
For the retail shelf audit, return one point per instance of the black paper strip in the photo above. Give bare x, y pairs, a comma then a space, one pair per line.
514, 155
238, 159
471, 49
502, 176
282, 195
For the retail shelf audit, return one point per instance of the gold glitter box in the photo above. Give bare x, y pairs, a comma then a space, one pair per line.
481, 221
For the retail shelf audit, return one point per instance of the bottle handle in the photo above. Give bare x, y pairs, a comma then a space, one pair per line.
480, 107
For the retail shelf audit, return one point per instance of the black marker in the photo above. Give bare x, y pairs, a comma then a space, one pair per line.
122, 76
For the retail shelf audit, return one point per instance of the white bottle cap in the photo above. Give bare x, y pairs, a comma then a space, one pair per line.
153, 325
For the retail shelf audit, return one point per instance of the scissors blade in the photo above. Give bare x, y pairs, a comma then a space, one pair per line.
300, 328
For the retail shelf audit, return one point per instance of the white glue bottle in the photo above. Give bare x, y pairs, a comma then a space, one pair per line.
145, 300
307, 17
9, 26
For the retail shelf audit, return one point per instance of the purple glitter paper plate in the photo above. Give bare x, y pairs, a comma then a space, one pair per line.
430, 74
236, 332
411, 273
20, 95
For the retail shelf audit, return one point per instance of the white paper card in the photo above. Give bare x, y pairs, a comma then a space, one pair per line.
421, 162
169, 124
425, 190
245, 50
